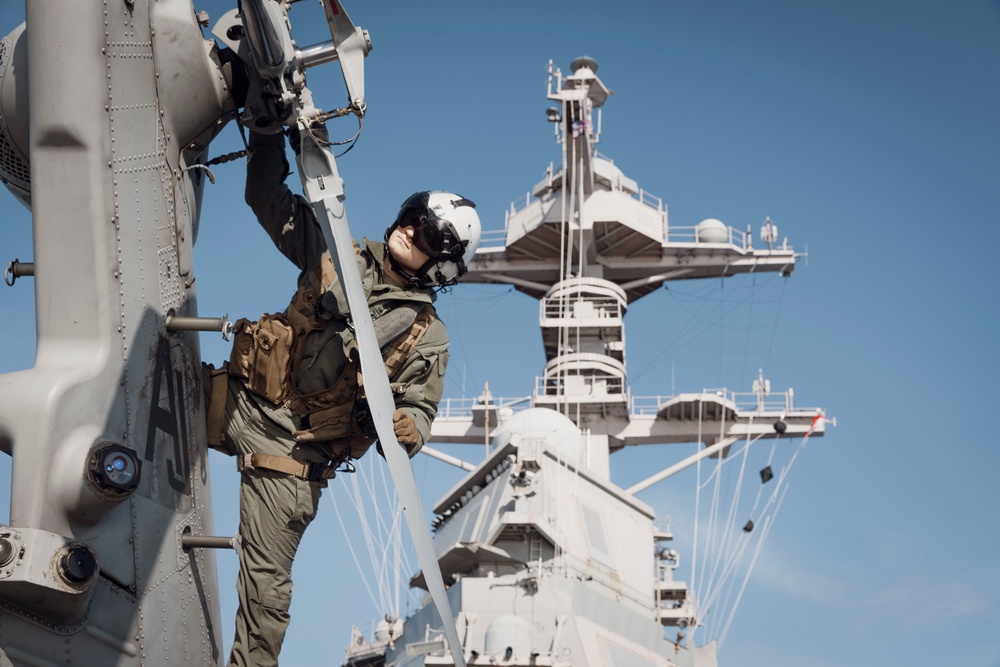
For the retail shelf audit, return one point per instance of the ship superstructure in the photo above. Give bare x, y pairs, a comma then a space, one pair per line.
549, 563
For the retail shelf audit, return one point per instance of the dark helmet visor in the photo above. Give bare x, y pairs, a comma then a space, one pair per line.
430, 234
434, 236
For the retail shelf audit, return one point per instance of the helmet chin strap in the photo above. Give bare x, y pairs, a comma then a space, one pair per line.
420, 278
412, 279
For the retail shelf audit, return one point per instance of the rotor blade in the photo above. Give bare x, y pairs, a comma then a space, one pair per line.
323, 187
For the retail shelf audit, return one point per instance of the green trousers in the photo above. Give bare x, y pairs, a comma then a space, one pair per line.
275, 509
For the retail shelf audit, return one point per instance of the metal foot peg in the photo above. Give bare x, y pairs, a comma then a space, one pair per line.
18, 269
206, 542
220, 324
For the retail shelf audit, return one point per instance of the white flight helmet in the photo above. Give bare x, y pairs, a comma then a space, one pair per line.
446, 228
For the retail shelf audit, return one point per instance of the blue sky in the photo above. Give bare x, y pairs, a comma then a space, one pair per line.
867, 131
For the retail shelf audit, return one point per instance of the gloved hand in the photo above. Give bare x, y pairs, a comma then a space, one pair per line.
405, 429
318, 132
322, 308
234, 70
333, 302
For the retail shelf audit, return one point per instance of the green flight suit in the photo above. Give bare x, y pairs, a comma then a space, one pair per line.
276, 508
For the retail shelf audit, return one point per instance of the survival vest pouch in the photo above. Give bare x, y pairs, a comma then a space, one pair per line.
262, 353
216, 386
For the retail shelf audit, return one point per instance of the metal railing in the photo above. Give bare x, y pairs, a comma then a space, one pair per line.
748, 402
780, 402
578, 307
650, 200
461, 408
494, 237
643, 196
741, 240
734, 237
517, 205
579, 386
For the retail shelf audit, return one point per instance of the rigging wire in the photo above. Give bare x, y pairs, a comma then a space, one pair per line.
376, 601
712, 571
725, 583
715, 534
378, 512
563, 241
697, 515
696, 326
715, 569
769, 522
734, 559
387, 526
568, 205
746, 347
713, 530
722, 331
370, 534
777, 315
457, 318
723, 554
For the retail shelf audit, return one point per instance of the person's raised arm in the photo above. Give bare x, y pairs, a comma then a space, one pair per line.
287, 217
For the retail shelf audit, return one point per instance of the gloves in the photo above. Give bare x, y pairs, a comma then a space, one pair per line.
406, 430
333, 302
293, 138
406, 433
322, 308
234, 70
318, 132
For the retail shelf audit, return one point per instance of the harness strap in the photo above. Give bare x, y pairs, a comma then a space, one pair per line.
399, 352
395, 322
311, 472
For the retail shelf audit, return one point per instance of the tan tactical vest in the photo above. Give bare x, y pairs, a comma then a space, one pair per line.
266, 353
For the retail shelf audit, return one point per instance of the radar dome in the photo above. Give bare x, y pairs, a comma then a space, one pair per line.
386, 629
711, 230
508, 633
560, 434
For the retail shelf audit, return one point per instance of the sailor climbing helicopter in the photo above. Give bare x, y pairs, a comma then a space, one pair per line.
291, 404
104, 557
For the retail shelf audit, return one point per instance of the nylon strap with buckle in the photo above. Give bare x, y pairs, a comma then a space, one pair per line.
310, 472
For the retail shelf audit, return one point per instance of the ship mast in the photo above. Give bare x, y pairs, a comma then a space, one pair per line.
587, 241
